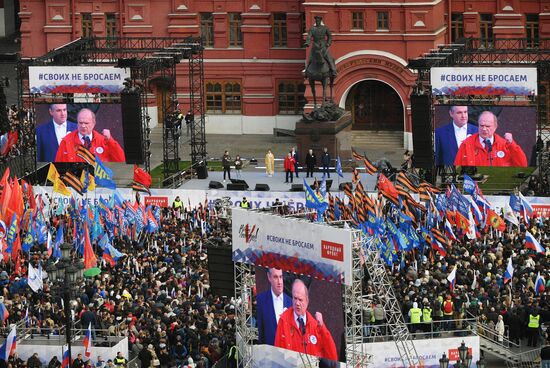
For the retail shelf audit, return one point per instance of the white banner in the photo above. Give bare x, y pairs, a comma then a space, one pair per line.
386, 355
292, 244
77, 79
464, 81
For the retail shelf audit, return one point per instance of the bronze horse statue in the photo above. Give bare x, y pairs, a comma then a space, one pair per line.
318, 69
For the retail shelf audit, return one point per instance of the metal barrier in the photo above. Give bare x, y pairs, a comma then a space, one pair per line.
435, 329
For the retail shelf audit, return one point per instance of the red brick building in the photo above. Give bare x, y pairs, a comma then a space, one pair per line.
255, 55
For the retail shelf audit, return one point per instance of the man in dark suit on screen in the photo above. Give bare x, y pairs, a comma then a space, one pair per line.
50, 134
270, 305
449, 137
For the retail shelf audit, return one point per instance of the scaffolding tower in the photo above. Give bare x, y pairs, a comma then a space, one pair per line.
382, 283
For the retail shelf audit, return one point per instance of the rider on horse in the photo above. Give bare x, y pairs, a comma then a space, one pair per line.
321, 41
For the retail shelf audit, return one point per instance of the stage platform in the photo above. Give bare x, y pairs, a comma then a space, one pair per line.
277, 182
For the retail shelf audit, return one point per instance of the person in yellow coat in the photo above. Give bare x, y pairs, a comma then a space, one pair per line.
269, 163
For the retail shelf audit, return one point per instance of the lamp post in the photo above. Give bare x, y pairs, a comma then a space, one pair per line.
64, 276
444, 361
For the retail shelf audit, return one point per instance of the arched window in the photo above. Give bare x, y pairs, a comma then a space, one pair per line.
291, 97
223, 97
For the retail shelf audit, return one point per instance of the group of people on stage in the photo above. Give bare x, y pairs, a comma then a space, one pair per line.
460, 143
58, 140
292, 166
284, 321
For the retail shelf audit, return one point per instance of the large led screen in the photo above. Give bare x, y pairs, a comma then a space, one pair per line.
61, 128
299, 313
496, 136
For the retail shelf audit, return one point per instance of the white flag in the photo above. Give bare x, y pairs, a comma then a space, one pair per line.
510, 216
34, 279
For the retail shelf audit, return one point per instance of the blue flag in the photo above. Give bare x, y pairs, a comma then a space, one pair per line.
515, 203
313, 201
103, 175
469, 185
339, 167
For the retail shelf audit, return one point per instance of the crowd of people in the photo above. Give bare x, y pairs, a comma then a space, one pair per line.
16, 133
158, 295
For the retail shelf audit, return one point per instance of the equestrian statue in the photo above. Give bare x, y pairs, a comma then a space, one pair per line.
320, 67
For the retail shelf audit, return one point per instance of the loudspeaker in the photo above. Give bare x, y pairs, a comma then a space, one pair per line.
342, 186
202, 172
261, 187
131, 124
297, 188
220, 270
239, 181
126, 62
215, 185
421, 116
236, 186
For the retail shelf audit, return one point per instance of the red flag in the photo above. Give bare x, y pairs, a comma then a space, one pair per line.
5, 200
495, 220
387, 187
11, 141
27, 189
16, 247
5, 177
16, 202
90, 260
142, 177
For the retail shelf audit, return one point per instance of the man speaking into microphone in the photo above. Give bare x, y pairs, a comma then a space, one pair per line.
486, 148
298, 330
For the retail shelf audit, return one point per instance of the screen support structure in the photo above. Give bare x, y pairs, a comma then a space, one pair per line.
392, 306
149, 59
353, 306
246, 334
503, 52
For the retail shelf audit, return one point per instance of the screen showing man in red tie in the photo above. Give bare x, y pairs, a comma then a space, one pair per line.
486, 148
300, 331
101, 144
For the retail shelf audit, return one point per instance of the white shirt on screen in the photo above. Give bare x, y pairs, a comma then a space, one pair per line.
482, 141
278, 305
60, 131
303, 317
82, 137
461, 133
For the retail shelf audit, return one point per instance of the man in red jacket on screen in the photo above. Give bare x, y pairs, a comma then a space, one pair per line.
486, 148
102, 145
298, 330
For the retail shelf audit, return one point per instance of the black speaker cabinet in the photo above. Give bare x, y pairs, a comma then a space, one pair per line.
261, 187
421, 116
215, 185
236, 186
297, 188
131, 125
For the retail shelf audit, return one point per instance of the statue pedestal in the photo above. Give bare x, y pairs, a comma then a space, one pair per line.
335, 135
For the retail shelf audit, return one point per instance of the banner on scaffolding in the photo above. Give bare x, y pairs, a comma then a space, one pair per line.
293, 245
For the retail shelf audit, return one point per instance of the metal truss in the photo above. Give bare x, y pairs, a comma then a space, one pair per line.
198, 132
353, 307
246, 334
148, 58
394, 318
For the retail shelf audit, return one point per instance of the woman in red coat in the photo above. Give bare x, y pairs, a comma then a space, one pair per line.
289, 167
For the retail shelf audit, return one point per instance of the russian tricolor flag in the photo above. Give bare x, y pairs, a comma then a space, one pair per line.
532, 243
66, 360
8, 347
4, 314
88, 342
539, 284
525, 209
449, 230
452, 278
509, 273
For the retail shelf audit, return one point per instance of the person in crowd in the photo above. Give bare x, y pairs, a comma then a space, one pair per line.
238, 166
244, 203
499, 328
311, 161
54, 362
226, 164
289, 166
487, 148
449, 137
101, 144
269, 163
298, 330
270, 305
545, 355
50, 133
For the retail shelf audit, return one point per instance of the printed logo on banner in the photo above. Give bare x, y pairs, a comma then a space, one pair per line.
453, 354
331, 250
541, 210
248, 233
156, 201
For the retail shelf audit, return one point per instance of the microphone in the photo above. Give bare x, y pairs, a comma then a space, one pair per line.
489, 147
